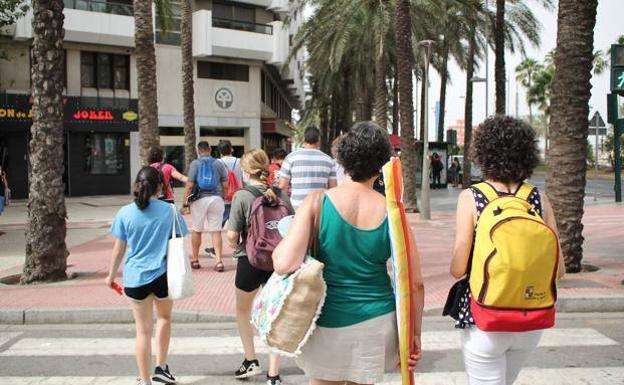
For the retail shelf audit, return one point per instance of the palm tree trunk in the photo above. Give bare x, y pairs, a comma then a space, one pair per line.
381, 91
395, 107
466, 167
46, 251
325, 129
443, 82
346, 105
565, 181
499, 42
146, 77
361, 113
403, 31
186, 38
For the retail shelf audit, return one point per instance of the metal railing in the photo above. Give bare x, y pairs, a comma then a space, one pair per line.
101, 6
242, 26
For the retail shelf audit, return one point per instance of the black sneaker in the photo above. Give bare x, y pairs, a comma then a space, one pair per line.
248, 369
274, 380
210, 251
163, 376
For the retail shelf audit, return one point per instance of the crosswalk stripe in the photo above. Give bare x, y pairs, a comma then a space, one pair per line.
432, 341
528, 376
8, 336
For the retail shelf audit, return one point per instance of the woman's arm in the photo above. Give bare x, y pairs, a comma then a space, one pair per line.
419, 301
289, 253
233, 238
119, 249
178, 175
464, 233
549, 218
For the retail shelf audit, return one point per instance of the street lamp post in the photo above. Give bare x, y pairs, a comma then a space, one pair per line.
477, 79
425, 208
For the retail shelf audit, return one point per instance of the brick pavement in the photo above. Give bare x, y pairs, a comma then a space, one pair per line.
604, 226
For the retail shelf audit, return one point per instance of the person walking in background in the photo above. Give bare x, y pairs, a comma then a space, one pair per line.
505, 150
452, 173
156, 159
436, 169
5, 192
277, 158
142, 230
255, 165
204, 198
456, 179
307, 169
356, 337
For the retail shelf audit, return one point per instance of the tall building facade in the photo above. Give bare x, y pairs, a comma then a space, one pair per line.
246, 86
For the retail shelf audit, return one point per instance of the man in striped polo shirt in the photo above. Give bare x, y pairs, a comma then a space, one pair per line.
307, 169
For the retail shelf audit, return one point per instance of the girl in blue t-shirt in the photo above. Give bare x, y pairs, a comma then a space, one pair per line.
142, 229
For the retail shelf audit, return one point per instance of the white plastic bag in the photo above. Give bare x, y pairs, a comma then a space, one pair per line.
179, 274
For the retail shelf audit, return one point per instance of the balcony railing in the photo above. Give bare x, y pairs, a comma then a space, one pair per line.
242, 26
101, 6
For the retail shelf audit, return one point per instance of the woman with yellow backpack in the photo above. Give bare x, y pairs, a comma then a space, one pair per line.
507, 251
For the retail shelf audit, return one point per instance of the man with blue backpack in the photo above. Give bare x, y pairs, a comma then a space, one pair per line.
204, 196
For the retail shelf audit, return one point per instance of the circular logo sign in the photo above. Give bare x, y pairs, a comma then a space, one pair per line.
224, 98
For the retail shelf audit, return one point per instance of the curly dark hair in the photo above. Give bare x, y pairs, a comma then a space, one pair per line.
155, 154
364, 150
505, 149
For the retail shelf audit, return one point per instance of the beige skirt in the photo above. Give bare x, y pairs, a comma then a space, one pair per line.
359, 353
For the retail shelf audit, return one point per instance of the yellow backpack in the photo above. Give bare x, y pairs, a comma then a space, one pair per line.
514, 264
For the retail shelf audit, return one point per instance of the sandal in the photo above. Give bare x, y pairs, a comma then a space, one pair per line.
219, 267
195, 265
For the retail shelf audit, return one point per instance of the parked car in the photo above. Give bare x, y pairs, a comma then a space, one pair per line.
476, 176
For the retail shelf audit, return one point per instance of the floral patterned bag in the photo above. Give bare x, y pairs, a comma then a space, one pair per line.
286, 310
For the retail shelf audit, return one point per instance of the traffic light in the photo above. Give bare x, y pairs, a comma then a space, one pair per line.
617, 68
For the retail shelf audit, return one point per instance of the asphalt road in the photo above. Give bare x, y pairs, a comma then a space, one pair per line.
583, 349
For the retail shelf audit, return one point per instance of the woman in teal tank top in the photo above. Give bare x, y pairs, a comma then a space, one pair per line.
356, 336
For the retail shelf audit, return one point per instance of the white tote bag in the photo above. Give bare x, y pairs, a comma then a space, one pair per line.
179, 274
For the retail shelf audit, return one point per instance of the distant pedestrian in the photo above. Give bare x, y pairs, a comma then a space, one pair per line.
249, 278
356, 339
436, 169
157, 160
5, 192
204, 192
307, 169
142, 229
340, 173
232, 164
501, 331
457, 178
452, 173
277, 158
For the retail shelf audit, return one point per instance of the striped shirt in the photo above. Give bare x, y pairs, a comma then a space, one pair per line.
308, 170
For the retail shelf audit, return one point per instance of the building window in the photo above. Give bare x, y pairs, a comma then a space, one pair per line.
171, 34
233, 12
222, 71
104, 70
104, 154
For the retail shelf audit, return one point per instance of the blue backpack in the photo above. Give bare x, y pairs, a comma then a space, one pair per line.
207, 178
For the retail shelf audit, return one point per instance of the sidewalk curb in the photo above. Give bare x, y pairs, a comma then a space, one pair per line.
614, 304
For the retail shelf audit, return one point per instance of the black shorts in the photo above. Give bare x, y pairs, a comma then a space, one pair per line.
249, 278
158, 287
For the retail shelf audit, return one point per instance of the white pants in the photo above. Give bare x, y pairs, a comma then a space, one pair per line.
494, 358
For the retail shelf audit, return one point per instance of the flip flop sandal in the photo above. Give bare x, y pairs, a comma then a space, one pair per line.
219, 267
195, 265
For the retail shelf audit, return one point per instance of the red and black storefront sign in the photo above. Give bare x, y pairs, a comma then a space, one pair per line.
79, 113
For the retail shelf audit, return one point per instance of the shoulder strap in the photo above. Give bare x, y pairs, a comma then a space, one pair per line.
524, 191
254, 191
487, 190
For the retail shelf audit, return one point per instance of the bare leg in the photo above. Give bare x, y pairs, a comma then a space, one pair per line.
163, 329
243, 314
143, 322
314, 381
217, 242
196, 239
274, 363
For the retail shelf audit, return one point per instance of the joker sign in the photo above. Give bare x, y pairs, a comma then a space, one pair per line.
224, 98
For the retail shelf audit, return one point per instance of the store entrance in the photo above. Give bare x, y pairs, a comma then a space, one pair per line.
14, 161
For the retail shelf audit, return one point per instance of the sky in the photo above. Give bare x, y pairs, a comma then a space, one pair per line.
609, 26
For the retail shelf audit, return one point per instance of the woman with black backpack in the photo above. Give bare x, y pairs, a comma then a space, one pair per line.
249, 278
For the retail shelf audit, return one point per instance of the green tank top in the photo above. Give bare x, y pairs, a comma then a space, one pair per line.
358, 284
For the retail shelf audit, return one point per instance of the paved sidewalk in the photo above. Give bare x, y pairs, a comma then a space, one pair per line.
86, 299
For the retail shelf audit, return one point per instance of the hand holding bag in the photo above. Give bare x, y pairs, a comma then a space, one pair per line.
179, 273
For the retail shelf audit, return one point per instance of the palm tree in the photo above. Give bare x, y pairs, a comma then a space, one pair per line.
403, 33
46, 251
565, 180
186, 43
525, 71
146, 77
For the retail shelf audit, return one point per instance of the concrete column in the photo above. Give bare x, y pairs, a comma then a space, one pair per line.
135, 159
253, 136
73, 72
